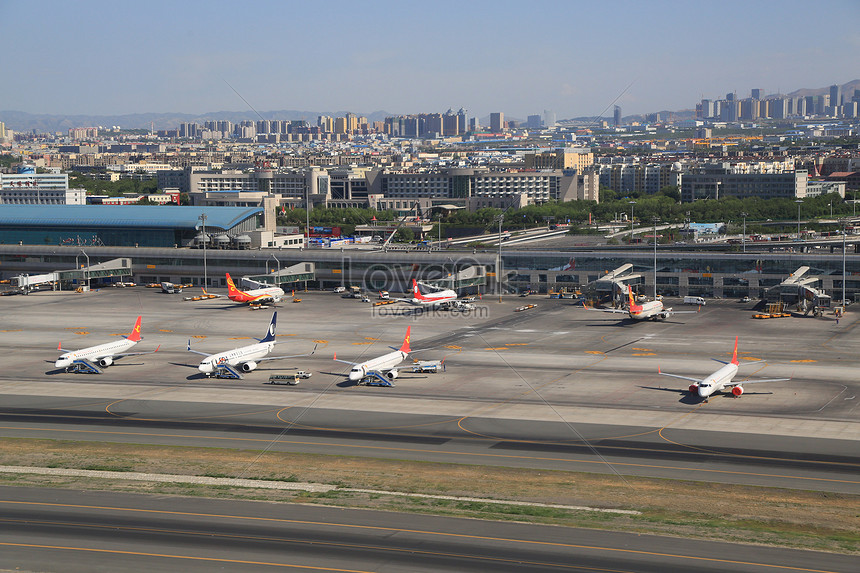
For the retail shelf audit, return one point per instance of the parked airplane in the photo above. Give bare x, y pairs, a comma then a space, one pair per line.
245, 359
382, 367
256, 296
571, 264
432, 299
721, 379
653, 309
94, 358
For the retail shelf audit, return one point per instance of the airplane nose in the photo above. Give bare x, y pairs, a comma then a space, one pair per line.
355, 376
205, 367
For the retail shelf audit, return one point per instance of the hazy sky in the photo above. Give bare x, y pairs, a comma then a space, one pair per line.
518, 57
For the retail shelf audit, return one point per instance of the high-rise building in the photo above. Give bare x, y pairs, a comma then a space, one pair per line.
835, 95
533, 122
497, 121
617, 115
549, 119
707, 108
756, 93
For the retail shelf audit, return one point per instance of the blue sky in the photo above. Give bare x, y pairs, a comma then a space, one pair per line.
99, 57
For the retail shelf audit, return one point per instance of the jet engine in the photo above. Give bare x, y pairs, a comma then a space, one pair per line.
392, 374
106, 361
694, 388
248, 366
737, 391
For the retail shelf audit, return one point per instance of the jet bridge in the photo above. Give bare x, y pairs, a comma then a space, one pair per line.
615, 284
294, 274
471, 276
121, 267
798, 289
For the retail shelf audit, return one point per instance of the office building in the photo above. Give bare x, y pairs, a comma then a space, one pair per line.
617, 115
714, 181
497, 121
835, 95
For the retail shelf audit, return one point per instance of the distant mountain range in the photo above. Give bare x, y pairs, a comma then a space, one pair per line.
49, 123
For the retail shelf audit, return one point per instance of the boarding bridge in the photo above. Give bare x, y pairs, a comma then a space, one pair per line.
616, 283
472, 276
798, 289
294, 274
113, 268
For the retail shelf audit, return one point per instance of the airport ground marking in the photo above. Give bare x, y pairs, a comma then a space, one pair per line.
164, 330
320, 341
804, 360
184, 557
295, 541
372, 428
440, 452
381, 528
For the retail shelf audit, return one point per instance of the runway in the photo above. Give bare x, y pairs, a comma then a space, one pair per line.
92, 532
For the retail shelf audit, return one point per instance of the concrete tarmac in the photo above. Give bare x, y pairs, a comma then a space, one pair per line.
552, 377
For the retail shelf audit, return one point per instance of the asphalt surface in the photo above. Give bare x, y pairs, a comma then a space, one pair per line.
58, 530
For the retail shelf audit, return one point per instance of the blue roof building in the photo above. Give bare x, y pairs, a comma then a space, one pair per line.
121, 225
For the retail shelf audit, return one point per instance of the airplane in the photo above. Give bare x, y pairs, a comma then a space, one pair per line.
383, 367
94, 358
433, 299
228, 364
571, 264
721, 379
653, 309
256, 296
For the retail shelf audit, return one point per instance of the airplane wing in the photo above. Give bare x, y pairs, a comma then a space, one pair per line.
344, 361
116, 356
734, 383
612, 310
212, 295
292, 356
195, 351
669, 311
697, 380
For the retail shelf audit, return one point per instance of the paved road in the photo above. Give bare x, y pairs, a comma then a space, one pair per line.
57, 530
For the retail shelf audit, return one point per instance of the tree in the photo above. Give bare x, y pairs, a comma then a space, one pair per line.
671, 191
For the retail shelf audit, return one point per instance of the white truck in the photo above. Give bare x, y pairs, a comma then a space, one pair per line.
694, 300
428, 366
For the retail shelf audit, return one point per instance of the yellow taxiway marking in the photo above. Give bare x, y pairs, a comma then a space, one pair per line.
644, 354
642, 349
239, 338
805, 360
164, 330
321, 341
198, 336
353, 526
517, 344
370, 338
15, 330
453, 347
593, 352
360, 343
749, 358
73, 328
498, 348
84, 333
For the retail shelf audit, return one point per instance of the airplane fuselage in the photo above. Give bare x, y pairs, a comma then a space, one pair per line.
384, 362
94, 353
717, 381
235, 357
646, 310
274, 293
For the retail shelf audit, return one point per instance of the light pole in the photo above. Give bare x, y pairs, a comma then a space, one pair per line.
655, 258
744, 236
272, 256
631, 220
799, 203
202, 219
844, 233
499, 263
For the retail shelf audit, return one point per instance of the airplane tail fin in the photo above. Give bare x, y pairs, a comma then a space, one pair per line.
405, 346
270, 334
415, 291
231, 286
735, 353
135, 332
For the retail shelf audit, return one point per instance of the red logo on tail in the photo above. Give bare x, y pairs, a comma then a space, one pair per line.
405, 346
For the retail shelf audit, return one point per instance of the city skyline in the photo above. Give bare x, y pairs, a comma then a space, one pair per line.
575, 59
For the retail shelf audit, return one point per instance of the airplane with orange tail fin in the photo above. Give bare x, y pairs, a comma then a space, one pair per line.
652, 309
432, 299
383, 367
91, 360
722, 379
267, 295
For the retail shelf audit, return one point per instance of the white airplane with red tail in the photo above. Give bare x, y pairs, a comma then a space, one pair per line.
267, 295
91, 360
383, 368
722, 379
652, 309
432, 299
